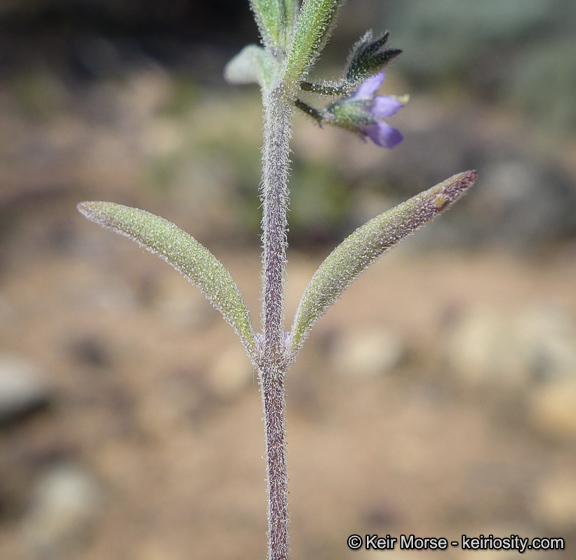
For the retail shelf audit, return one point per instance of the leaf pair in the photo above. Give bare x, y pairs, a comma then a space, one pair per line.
354, 255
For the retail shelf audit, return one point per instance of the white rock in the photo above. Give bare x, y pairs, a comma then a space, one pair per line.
21, 387
490, 347
64, 503
368, 353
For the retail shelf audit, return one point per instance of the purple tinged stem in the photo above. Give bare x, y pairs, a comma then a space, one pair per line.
273, 364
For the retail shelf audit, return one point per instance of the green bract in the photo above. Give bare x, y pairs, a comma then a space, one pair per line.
368, 57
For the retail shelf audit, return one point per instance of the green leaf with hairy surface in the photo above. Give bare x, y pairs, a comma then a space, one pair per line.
275, 20
358, 251
290, 12
316, 21
185, 254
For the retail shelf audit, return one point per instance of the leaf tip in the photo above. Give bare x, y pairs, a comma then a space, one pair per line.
87, 209
472, 174
452, 189
465, 179
82, 207
95, 212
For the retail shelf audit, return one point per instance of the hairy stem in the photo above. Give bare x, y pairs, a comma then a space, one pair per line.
273, 397
273, 363
274, 196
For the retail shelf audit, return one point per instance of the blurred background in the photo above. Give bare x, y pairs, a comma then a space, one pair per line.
438, 398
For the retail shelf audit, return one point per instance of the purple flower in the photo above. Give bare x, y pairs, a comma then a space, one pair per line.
363, 112
379, 107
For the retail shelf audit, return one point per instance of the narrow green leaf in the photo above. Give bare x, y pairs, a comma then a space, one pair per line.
184, 253
275, 20
267, 16
358, 251
290, 10
315, 24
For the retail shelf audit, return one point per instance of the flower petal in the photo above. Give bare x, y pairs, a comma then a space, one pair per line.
369, 86
385, 106
384, 135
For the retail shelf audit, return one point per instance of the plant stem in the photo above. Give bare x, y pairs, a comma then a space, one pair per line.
273, 362
273, 397
274, 196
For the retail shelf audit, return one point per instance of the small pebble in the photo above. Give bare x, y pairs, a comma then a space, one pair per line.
22, 388
368, 353
64, 504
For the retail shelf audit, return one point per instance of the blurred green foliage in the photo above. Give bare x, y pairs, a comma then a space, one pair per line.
521, 52
320, 200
